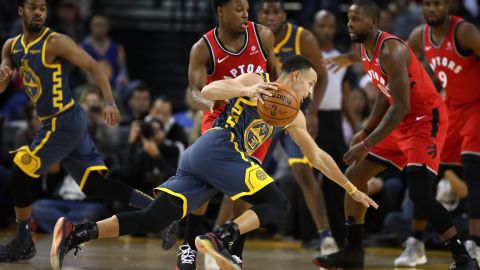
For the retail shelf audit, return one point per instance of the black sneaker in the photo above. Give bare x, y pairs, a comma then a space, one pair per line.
464, 262
209, 243
12, 250
346, 258
68, 236
169, 235
186, 258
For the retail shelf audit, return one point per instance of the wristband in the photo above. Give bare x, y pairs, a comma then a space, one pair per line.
349, 188
365, 147
111, 104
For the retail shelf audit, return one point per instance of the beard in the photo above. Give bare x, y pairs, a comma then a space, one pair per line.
34, 28
436, 22
360, 37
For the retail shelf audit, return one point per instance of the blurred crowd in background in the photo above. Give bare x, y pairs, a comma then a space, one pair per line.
143, 47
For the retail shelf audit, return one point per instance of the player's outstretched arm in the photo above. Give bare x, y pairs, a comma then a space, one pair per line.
323, 161
249, 85
468, 37
61, 46
6, 67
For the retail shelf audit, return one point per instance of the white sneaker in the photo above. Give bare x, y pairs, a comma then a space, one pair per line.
328, 246
473, 249
413, 255
210, 263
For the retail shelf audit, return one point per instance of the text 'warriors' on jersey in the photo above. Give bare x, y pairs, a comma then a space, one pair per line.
457, 70
46, 84
227, 64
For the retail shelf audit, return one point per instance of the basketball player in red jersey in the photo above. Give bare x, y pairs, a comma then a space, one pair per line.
452, 48
407, 128
235, 47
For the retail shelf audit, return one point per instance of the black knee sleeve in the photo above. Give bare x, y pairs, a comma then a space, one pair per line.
420, 181
471, 173
97, 186
270, 205
162, 211
20, 185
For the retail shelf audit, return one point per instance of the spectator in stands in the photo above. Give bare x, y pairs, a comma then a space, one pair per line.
68, 20
108, 53
105, 138
138, 104
162, 110
151, 158
408, 15
361, 111
68, 202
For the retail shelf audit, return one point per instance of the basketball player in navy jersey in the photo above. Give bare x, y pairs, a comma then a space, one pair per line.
218, 161
234, 47
294, 40
39, 55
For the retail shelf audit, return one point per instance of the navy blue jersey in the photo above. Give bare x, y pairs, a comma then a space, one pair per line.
241, 118
107, 59
289, 46
46, 85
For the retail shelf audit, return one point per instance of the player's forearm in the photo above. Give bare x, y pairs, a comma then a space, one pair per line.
378, 112
102, 82
327, 166
223, 90
198, 102
392, 119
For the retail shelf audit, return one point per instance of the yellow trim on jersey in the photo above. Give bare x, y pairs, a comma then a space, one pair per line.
298, 49
235, 145
56, 77
47, 136
88, 171
64, 108
27, 161
285, 39
14, 42
178, 195
303, 160
27, 47
255, 179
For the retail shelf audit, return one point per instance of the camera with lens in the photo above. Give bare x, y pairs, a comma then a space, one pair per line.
148, 128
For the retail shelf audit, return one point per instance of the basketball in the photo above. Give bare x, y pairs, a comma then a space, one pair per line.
281, 108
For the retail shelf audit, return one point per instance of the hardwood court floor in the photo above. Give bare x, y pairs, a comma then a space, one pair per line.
146, 254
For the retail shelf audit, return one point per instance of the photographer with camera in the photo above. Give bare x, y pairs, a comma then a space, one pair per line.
150, 158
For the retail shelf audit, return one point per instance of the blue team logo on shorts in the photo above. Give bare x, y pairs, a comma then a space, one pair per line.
31, 82
256, 134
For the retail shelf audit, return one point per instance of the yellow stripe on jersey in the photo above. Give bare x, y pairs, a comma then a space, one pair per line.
178, 195
56, 77
285, 39
298, 36
26, 47
88, 171
235, 145
255, 179
14, 42
47, 136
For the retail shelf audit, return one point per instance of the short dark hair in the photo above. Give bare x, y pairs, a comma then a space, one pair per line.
296, 62
22, 2
370, 7
282, 4
218, 3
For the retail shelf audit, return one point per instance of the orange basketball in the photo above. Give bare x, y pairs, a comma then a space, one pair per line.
281, 108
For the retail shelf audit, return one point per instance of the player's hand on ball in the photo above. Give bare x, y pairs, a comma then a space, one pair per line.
363, 199
256, 91
5, 73
111, 115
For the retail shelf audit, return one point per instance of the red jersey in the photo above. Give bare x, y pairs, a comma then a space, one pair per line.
459, 74
423, 95
228, 65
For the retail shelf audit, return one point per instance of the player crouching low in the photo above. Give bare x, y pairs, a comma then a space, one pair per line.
219, 161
